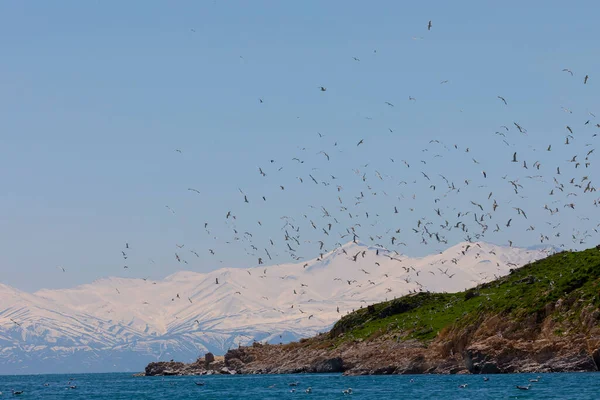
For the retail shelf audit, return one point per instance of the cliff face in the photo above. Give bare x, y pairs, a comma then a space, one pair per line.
490, 346
544, 317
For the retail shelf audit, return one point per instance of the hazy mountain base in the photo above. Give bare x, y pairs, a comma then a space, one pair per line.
544, 317
43, 359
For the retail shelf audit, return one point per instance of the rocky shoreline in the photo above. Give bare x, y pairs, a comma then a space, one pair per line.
207, 365
493, 355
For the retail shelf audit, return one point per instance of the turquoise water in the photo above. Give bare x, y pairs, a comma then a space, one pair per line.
124, 386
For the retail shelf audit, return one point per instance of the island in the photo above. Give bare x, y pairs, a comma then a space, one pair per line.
542, 317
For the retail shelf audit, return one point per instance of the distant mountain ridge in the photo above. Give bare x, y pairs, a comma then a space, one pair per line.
118, 324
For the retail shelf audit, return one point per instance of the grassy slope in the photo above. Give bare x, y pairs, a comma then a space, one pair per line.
524, 294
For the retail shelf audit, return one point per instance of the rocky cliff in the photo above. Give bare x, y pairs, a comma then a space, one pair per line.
543, 317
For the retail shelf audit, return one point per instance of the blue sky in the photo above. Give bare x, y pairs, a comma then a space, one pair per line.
97, 96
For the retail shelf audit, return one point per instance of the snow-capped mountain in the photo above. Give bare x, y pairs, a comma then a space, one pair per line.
118, 324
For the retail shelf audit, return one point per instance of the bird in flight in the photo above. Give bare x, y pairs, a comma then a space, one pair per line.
429, 26
520, 128
502, 98
568, 70
325, 154
360, 142
323, 88
585, 79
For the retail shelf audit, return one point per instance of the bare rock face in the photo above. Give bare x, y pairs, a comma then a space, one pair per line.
164, 368
234, 364
596, 358
209, 357
327, 365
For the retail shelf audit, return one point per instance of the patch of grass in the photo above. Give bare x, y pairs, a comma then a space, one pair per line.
573, 277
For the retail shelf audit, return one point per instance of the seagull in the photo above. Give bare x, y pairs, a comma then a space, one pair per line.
520, 128
429, 26
502, 98
325, 154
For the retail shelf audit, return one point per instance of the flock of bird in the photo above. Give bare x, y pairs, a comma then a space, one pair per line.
410, 198
415, 200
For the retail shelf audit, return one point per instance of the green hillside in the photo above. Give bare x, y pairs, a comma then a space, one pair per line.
528, 295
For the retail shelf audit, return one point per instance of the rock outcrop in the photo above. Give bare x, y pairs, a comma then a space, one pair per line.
207, 365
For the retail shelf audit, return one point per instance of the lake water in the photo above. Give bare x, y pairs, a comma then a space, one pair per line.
124, 386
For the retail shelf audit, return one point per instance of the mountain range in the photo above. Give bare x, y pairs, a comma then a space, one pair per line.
118, 324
